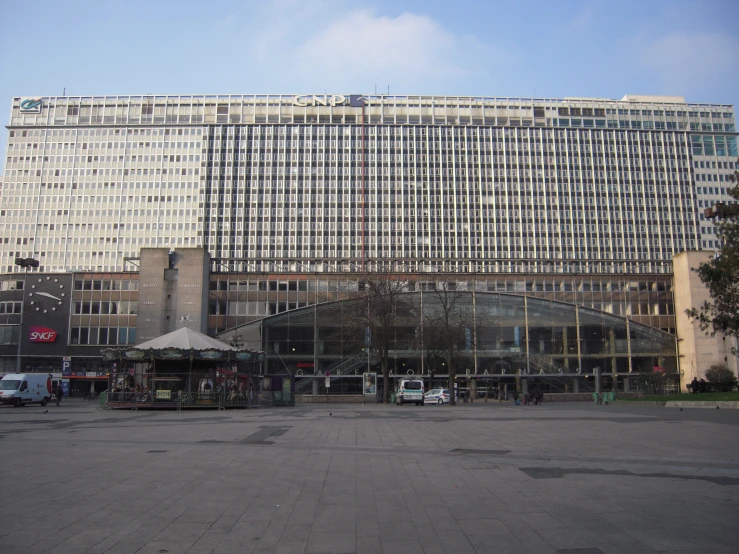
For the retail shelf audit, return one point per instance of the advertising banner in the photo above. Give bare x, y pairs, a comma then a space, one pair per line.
369, 386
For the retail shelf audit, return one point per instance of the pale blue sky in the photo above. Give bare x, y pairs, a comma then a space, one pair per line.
461, 47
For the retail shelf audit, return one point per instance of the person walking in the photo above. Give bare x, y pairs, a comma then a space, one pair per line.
59, 393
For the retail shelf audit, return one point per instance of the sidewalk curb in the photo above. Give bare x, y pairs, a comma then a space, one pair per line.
639, 402
728, 405
710, 404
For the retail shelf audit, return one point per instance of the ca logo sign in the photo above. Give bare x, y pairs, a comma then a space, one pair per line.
31, 105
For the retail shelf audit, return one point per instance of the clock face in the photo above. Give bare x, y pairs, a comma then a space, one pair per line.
46, 294
46, 303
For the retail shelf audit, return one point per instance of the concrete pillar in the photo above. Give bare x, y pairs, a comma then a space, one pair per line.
575, 384
524, 386
627, 384
473, 389
315, 386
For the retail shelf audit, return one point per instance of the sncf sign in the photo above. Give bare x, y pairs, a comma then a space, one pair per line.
42, 334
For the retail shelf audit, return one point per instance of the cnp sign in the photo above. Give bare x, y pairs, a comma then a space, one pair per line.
30, 105
42, 334
319, 100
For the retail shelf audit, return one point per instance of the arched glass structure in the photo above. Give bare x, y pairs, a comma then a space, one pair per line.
502, 337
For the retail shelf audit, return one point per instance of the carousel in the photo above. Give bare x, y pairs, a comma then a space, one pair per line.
182, 369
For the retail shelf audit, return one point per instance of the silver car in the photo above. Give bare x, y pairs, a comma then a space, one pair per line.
437, 396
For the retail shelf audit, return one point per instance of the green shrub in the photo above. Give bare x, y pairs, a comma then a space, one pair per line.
721, 378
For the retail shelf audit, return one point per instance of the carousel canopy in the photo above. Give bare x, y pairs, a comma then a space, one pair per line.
182, 344
185, 339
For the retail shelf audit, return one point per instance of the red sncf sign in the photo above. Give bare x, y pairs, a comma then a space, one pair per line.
42, 334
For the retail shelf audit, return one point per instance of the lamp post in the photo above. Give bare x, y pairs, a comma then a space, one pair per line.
25, 263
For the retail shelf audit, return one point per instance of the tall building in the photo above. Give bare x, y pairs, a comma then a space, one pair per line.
579, 200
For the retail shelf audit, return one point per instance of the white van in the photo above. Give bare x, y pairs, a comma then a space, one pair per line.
25, 388
409, 390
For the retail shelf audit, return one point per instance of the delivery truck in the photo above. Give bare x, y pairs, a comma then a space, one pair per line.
20, 389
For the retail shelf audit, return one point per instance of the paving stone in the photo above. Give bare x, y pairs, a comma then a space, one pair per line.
356, 482
331, 543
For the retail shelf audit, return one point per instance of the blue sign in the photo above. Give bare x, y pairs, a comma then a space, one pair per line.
31, 105
66, 366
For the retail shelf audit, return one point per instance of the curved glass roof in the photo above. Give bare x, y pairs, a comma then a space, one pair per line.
500, 329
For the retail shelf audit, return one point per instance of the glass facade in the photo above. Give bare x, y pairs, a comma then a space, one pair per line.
507, 336
236, 299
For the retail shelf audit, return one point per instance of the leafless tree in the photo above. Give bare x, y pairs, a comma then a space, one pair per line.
387, 308
376, 319
448, 323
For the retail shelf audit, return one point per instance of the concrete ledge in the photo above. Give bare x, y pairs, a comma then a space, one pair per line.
568, 397
729, 405
639, 402
323, 399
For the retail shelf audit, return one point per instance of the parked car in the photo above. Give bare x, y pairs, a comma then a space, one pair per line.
410, 390
437, 396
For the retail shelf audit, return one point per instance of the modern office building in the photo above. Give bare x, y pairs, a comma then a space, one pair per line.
294, 198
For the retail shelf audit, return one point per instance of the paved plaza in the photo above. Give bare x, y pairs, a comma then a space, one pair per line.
487, 477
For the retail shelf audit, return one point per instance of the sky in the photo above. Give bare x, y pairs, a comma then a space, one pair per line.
521, 48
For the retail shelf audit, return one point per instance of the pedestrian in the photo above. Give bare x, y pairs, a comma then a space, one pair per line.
59, 393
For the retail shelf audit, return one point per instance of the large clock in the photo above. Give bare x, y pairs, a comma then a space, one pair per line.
46, 294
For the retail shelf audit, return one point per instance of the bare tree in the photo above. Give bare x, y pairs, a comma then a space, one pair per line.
449, 322
379, 318
431, 349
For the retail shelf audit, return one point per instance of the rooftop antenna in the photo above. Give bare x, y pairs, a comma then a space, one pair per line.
64, 92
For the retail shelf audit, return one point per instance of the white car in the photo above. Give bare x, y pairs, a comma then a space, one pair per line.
437, 396
410, 390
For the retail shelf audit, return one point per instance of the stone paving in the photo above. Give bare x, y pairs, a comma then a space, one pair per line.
487, 477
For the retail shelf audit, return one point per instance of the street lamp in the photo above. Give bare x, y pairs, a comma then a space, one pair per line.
25, 263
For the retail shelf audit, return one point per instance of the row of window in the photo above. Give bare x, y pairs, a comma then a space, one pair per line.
102, 335
11, 284
11, 307
106, 284
244, 134
77, 160
271, 308
222, 103
25, 133
323, 285
100, 145
105, 307
401, 153
439, 117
